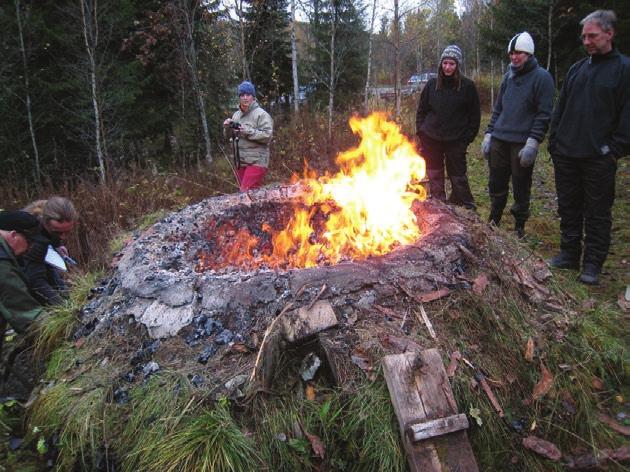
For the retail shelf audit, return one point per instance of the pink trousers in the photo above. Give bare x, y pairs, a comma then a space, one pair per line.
250, 177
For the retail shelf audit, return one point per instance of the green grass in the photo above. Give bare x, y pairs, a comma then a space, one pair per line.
168, 425
206, 441
60, 321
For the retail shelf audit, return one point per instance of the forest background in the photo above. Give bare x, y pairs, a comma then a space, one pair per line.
118, 104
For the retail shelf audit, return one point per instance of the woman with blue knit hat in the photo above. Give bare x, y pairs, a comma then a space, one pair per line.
447, 121
519, 121
251, 129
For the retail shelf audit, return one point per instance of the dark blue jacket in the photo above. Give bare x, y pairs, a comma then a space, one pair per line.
523, 107
592, 116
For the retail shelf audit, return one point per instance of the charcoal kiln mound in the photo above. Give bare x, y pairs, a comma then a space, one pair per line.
173, 303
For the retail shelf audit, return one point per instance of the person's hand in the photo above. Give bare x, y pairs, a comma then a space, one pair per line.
62, 250
528, 153
485, 146
227, 122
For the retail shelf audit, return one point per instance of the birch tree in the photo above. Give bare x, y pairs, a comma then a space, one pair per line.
188, 18
90, 31
27, 93
369, 58
294, 62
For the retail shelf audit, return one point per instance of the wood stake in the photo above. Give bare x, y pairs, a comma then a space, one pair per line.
427, 322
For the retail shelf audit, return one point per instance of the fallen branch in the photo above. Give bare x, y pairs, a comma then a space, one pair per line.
426, 321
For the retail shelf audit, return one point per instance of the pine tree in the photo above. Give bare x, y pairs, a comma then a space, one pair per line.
268, 49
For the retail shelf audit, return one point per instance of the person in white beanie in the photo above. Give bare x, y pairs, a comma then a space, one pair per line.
447, 121
519, 121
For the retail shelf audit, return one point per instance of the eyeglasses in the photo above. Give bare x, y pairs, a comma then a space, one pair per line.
590, 36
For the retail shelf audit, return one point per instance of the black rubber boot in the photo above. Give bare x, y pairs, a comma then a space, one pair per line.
590, 274
519, 229
494, 219
565, 260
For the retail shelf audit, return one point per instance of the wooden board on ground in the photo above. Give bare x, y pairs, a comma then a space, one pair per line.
421, 393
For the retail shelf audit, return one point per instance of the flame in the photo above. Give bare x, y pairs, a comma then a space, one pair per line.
365, 209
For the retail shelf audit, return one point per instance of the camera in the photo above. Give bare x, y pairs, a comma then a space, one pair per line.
235, 125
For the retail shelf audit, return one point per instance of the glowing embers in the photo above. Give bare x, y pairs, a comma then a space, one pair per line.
365, 209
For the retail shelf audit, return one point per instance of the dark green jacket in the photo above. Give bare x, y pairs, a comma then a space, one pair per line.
17, 305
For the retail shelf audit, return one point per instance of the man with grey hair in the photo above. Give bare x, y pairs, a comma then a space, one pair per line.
590, 130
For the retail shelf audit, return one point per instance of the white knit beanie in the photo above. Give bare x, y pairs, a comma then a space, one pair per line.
522, 42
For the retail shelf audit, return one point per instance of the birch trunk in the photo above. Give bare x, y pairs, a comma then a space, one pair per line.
189, 52
396, 26
331, 84
29, 112
369, 60
90, 36
294, 65
238, 4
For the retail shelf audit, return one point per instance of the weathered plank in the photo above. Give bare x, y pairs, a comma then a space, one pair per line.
420, 392
438, 427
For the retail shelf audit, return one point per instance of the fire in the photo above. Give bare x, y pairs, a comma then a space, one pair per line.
365, 209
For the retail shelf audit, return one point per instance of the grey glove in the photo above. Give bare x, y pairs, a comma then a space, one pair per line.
485, 146
528, 153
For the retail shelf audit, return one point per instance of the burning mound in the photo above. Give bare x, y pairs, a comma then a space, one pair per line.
363, 210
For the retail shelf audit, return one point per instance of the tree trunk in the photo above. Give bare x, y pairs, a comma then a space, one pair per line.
29, 113
549, 38
369, 59
396, 27
190, 54
294, 63
90, 36
239, 11
331, 84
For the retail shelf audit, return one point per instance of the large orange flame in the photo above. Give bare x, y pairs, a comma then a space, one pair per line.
372, 195
366, 207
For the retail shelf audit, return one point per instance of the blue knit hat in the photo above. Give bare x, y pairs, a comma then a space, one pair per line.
246, 87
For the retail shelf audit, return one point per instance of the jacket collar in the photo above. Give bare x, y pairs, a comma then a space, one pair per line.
613, 53
528, 66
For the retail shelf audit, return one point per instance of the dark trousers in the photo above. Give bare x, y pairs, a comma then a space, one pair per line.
586, 193
505, 163
453, 155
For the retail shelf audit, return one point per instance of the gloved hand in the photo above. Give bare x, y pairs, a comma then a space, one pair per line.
485, 146
528, 153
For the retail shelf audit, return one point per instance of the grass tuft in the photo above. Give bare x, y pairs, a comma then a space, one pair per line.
61, 320
207, 441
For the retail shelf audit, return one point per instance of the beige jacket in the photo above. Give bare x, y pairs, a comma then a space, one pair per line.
256, 134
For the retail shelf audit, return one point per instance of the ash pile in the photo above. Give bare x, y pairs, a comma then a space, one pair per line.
167, 308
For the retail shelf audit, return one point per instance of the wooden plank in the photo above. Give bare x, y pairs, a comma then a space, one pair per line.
438, 427
420, 392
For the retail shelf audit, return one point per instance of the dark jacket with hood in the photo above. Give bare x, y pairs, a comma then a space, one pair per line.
45, 281
523, 107
592, 117
449, 113
17, 305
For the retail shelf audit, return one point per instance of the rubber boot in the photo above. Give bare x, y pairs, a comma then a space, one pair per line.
436, 184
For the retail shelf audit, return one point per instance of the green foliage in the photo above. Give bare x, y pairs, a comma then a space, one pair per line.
358, 430
267, 48
350, 52
155, 410
209, 440
58, 323
79, 413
